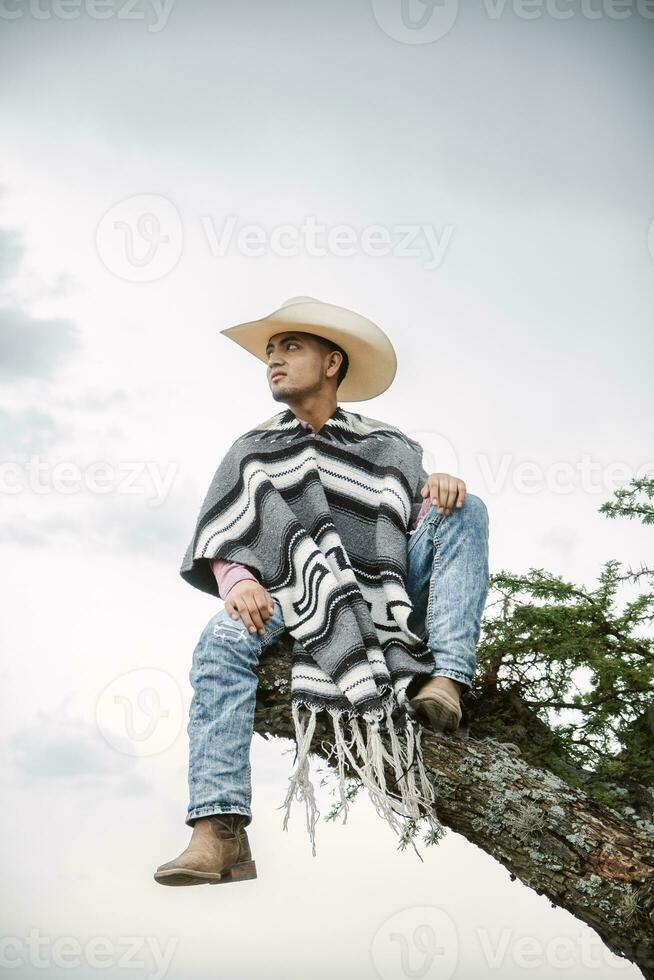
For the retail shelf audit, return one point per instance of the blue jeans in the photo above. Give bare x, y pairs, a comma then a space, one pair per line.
447, 582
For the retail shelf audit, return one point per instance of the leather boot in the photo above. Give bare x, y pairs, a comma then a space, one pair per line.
218, 852
437, 708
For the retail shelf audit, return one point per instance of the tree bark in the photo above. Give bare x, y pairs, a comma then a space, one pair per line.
588, 858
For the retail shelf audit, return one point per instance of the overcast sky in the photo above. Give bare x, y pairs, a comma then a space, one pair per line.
478, 182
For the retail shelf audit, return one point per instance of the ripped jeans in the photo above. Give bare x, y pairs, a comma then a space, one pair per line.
447, 582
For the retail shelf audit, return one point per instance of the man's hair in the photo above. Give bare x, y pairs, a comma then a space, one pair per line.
329, 346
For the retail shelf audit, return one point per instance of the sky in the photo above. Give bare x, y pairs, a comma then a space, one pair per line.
474, 179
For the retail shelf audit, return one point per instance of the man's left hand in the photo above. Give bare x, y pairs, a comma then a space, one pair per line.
445, 491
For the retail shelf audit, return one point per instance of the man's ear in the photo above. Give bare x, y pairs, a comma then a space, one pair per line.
330, 367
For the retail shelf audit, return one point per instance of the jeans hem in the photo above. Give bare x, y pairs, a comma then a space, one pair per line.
214, 809
454, 675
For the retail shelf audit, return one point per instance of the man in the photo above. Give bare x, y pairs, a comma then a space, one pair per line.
311, 350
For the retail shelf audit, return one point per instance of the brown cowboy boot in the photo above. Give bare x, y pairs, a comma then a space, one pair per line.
218, 852
436, 707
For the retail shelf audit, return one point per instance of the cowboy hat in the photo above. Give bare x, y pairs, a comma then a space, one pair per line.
372, 360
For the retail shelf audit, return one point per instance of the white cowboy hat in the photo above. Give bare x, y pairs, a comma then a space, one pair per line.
372, 360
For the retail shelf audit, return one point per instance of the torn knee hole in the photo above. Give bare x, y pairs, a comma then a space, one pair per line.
229, 632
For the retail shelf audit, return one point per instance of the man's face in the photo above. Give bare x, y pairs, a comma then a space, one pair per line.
299, 361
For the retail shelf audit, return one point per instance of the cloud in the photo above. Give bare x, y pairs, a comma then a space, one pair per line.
561, 539
119, 525
11, 252
94, 400
60, 757
52, 748
63, 749
28, 430
31, 430
32, 348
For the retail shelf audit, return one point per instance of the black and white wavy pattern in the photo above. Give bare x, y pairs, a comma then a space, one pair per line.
324, 519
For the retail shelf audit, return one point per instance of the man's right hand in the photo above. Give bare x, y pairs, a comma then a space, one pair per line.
252, 603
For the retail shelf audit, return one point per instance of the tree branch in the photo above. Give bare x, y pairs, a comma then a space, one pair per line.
588, 858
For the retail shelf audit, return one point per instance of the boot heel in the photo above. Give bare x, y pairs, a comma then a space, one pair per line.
245, 871
239, 872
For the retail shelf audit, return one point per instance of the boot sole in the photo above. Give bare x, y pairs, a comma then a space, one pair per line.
186, 876
436, 715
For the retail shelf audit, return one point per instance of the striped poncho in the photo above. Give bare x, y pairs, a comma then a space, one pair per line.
324, 520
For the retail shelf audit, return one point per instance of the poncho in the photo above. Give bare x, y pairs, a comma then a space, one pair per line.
324, 521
